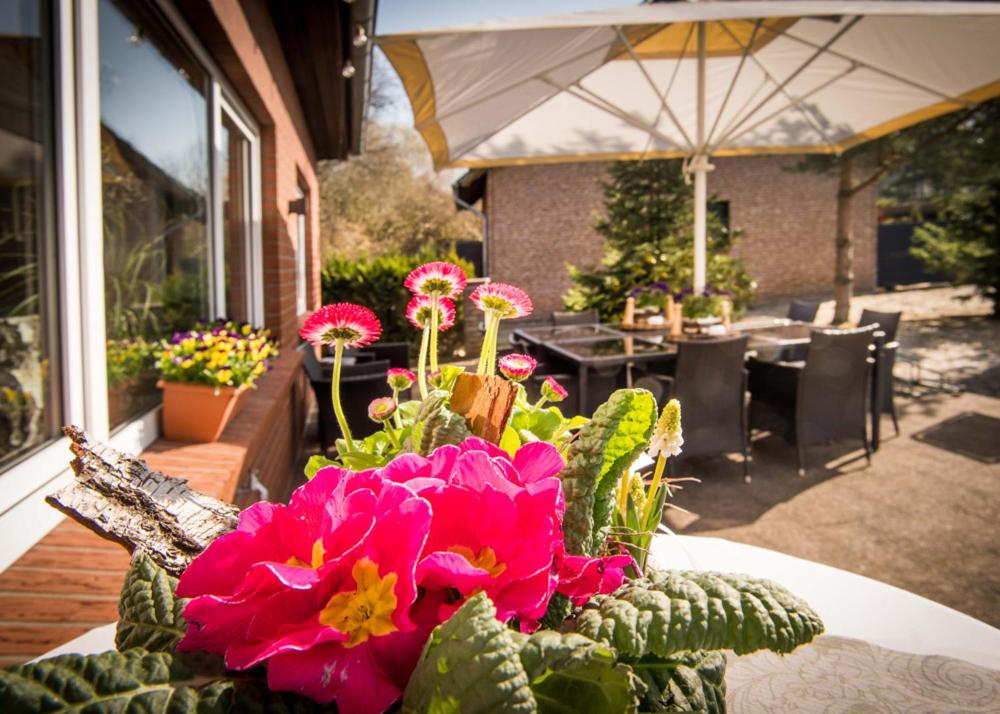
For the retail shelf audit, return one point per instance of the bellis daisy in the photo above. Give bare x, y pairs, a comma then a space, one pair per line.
418, 312
440, 278
552, 391
506, 301
349, 324
517, 367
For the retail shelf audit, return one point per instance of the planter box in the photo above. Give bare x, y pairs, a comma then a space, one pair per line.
198, 412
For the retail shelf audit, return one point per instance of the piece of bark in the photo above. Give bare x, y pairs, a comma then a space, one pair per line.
486, 403
120, 498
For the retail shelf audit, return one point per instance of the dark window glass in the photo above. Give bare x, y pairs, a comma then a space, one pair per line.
235, 168
30, 411
154, 152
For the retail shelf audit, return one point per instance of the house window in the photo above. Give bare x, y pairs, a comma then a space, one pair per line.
302, 208
30, 394
155, 184
235, 187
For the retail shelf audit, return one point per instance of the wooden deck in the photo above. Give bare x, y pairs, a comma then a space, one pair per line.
68, 582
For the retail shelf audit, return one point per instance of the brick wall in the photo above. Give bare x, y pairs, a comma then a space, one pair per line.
541, 220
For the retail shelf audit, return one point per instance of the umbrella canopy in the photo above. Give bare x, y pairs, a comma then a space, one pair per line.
694, 80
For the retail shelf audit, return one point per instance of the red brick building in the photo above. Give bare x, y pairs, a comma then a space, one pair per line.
540, 219
157, 167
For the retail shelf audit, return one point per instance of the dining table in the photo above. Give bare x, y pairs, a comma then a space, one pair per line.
605, 346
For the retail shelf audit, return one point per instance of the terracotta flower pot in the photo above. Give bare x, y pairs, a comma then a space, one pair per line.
198, 412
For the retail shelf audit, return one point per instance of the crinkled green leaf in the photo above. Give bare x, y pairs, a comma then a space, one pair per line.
315, 463
253, 697
442, 427
130, 681
149, 614
688, 682
470, 664
675, 611
559, 609
596, 459
573, 674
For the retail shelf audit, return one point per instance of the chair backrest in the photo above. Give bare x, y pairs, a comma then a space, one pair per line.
833, 392
586, 317
710, 383
802, 310
398, 353
888, 322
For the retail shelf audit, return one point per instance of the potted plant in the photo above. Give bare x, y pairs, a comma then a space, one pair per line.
204, 374
131, 371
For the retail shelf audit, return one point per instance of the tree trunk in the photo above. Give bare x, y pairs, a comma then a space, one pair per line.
843, 279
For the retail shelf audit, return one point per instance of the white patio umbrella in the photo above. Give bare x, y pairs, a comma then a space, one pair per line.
694, 80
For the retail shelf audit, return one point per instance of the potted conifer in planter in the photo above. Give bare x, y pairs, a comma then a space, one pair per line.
205, 372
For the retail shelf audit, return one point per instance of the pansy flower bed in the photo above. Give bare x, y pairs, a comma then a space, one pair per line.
429, 569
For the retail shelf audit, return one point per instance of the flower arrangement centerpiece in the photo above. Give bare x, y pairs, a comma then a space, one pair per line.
430, 569
205, 371
706, 309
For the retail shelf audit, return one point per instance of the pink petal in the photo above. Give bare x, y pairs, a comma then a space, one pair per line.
537, 460
440, 570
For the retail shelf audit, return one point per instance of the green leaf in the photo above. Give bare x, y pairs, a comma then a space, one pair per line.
596, 459
570, 673
253, 697
449, 373
470, 664
149, 614
510, 441
688, 682
443, 427
134, 680
674, 611
315, 463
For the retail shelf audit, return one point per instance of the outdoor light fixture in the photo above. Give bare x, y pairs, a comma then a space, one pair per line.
360, 37
348, 69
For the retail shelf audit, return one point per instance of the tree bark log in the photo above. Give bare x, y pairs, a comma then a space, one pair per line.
485, 402
843, 278
120, 498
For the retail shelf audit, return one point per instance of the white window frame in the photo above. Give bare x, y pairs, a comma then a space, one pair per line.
301, 251
24, 515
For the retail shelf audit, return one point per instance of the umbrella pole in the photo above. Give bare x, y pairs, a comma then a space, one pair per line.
700, 167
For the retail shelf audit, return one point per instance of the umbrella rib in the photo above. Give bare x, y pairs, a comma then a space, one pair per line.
652, 85
736, 74
729, 132
795, 102
680, 58
599, 102
877, 69
784, 83
506, 88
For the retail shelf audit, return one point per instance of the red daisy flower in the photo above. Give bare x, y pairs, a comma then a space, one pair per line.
418, 312
438, 278
517, 367
354, 325
503, 299
379, 410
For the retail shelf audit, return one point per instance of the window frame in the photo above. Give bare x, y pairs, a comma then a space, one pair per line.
79, 242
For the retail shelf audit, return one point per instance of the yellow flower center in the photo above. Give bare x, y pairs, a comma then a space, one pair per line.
366, 611
317, 557
485, 560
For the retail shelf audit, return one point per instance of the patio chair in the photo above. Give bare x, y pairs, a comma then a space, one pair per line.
802, 310
824, 399
888, 348
585, 317
710, 381
398, 353
359, 384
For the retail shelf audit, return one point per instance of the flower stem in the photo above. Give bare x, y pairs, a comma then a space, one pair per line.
422, 363
541, 402
661, 461
489, 355
391, 433
338, 358
485, 349
435, 322
396, 417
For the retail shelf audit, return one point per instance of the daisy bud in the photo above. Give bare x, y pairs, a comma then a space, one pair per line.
517, 367
399, 378
381, 409
553, 391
